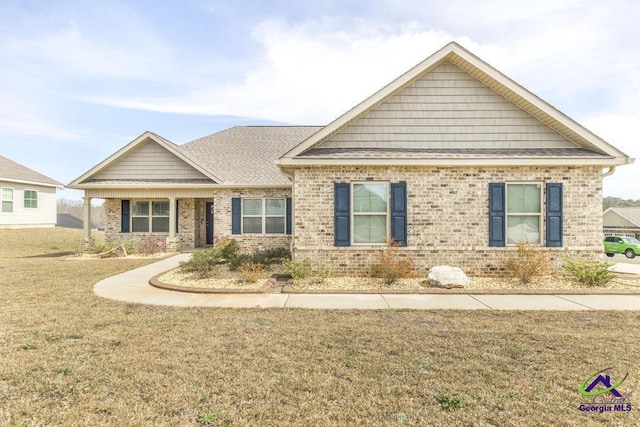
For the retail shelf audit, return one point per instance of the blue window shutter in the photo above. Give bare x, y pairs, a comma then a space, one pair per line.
497, 214
288, 218
341, 209
399, 212
125, 213
554, 215
236, 215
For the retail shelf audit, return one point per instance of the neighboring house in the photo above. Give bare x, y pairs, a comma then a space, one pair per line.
28, 198
452, 159
622, 221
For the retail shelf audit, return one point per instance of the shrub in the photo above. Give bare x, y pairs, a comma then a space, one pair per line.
528, 263
251, 271
298, 269
202, 262
100, 248
229, 249
150, 245
238, 260
591, 274
130, 246
390, 266
320, 272
265, 258
272, 256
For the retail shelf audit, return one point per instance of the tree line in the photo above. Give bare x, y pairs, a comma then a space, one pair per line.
612, 202
76, 209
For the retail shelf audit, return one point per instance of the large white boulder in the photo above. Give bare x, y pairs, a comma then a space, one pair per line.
444, 276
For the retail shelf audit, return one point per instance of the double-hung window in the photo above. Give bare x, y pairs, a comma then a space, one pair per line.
524, 212
7, 199
30, 199
150, 216
263, 216
370, 205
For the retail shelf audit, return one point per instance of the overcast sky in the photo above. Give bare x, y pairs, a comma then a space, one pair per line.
81, 79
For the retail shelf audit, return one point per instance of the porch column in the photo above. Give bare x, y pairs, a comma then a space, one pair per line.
173, 245
87, 218
172, 217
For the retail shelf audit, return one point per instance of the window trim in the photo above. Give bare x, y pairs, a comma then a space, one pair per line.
263, 215
150, 216
352, 214
540, 215
2, 200
24, 198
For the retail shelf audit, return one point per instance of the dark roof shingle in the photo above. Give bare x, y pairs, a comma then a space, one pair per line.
17, 172
247, 154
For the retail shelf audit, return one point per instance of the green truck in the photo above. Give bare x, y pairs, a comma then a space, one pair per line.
629, 246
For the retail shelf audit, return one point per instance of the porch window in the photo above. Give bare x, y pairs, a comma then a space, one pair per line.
369, 213
263, 216
524, 212
7, 199
150, 216
30, 199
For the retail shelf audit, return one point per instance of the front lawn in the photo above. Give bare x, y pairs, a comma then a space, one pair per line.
70, 358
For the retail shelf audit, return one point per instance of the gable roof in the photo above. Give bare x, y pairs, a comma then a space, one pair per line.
245, 154
629, 213
239, 156
11, 171
88, 179
589, 148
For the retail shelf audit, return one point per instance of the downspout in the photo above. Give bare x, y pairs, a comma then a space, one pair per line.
611, 170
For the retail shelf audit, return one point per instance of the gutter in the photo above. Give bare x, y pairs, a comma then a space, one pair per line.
609, 172
612, 168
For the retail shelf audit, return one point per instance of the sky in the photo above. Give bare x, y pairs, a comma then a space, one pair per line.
79, 79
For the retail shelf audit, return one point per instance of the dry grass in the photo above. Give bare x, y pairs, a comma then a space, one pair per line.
70, 358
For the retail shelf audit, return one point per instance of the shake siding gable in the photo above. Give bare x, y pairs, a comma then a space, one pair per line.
149, 161
447, 108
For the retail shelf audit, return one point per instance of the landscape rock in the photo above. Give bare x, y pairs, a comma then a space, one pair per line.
444, 276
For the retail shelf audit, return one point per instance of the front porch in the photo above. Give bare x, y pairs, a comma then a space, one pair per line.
182, 222
175, 223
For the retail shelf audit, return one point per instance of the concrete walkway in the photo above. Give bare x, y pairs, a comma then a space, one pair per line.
133, 286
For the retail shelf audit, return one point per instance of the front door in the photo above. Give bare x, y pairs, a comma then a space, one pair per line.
209, 215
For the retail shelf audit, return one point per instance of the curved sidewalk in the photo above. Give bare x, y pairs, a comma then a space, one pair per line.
133, 286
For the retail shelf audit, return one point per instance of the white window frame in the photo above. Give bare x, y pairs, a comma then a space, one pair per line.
150, 216
352, 214
540, 215
24, 198
2, 199
263, 215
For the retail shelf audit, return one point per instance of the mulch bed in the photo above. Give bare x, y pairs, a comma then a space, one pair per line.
224, 281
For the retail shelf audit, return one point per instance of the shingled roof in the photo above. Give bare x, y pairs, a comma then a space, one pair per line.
630, 213
15, 172
246, 154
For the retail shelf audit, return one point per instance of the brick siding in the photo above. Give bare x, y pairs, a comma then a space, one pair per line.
447, 215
